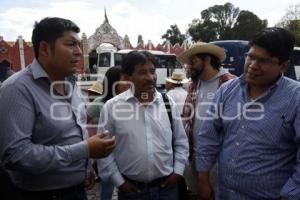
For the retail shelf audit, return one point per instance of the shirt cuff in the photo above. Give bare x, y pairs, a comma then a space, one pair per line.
79, 151
117, 179
290, 190
179, 168
203, 164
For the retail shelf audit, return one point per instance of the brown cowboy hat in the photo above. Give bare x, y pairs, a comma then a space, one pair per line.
202, 47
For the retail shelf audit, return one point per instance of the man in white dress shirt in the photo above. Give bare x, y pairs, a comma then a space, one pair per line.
152, 151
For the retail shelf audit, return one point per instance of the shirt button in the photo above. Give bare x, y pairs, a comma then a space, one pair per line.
232, 160
243, 126
237, 143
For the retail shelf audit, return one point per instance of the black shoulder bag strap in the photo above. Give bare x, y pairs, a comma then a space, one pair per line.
182, 187
168, 108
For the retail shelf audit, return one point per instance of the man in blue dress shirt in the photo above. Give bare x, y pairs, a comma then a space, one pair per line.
43, 139
253, 127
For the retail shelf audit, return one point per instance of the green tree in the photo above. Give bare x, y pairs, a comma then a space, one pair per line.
225, 22
291, 21
219, 18
294, 27
174, 35
204, 31
247, 25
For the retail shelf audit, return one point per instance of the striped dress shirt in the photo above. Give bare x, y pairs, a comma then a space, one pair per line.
256, 141
42, 134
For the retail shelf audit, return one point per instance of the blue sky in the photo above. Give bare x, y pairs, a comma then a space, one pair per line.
132, 17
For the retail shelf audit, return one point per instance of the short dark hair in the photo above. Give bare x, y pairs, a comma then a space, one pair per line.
49, 29
214, 61
135, 58
277, 41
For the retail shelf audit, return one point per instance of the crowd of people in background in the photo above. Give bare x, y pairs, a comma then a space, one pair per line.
210, 136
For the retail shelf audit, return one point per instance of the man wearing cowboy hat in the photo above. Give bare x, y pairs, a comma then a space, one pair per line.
174, 87
203, 60
95, 91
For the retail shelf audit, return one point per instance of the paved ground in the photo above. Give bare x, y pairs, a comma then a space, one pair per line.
93, 194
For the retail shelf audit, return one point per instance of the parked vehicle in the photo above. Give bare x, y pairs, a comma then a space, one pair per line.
109, 56
235, 58
295, 60
235, 54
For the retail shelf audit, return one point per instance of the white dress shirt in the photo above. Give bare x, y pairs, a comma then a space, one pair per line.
145, 149
178, 94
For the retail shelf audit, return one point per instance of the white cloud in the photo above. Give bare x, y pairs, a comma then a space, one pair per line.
123, 9
20, 21
149, 18
123, 16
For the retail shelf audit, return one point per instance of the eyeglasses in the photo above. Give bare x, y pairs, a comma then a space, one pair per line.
259, 60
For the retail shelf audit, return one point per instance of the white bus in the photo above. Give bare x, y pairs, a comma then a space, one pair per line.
109, 56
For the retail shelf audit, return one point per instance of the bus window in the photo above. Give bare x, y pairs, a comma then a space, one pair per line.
104, 60
178, 65
235, 51
167, 62
118, 59
295, 61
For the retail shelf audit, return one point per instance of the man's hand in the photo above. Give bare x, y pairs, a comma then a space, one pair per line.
128, 187
171, 180
99, 146
205, 190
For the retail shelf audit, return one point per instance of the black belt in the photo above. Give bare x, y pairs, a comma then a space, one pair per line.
153, 183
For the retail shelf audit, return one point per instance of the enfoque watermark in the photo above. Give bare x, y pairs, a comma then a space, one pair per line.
124, 111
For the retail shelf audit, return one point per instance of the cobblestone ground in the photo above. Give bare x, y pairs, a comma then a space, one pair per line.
93, 194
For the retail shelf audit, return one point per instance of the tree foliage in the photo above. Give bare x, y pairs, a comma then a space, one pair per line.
291, 21
224, 22
247, 25
203, 30
174, 35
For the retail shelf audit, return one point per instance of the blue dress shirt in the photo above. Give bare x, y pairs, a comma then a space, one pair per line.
256, 141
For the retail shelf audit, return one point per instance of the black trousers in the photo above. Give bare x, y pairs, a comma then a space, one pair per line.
72, 193
7, 188
9, 191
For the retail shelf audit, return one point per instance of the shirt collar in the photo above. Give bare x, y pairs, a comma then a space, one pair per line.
37, 70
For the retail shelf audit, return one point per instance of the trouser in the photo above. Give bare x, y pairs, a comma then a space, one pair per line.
106, 190
72, 193
150, 191
8, 190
